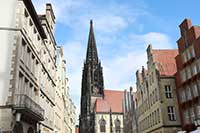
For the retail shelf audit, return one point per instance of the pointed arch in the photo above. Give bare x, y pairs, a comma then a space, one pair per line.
117, 126
102, 124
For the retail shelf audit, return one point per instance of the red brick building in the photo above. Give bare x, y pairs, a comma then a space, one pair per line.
188, 74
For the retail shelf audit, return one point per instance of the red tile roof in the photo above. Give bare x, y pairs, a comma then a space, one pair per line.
165, 61
112, 99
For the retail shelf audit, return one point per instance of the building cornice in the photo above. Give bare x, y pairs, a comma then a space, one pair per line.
34, 16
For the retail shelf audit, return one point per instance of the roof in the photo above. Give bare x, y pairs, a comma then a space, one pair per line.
165, 61
112, 100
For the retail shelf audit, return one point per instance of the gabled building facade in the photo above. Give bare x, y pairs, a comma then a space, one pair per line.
64, 110
157, 106
187, 77
129, 112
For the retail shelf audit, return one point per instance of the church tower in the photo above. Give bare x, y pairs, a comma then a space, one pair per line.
92, 85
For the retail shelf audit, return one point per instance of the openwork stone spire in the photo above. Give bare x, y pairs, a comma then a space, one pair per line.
92, 55
92, 85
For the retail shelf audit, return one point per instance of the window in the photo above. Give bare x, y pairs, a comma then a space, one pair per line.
153, 97
168, 91
198, 65
189, 96
171, 113
117, 125
23, 50
192, 115
25, 13
198, 110
30, 22
195, 90
194, 69
186, 117
184, 57
188, 54
183, 97
183, 75
152, 77
156, 94
102, 124
158, 115
192, 52
34, 30
21, 82
188, 72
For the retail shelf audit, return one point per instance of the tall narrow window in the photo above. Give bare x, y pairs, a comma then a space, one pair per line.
183, 75
183, 97
198, 110
195, 90
188, 72
117, 126
194, 69
158, 110
192, 52
23, 50
189, 95
192, 115
186, 117
156, 94
102, 124
171, 113
168, 91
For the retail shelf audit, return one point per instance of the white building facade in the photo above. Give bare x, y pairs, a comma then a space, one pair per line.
64, 112
28, 69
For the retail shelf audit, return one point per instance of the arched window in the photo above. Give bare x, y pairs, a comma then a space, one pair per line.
102, 124
117, 126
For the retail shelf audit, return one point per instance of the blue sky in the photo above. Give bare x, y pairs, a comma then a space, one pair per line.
123, 29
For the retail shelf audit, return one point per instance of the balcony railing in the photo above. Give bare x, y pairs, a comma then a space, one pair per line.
25, 104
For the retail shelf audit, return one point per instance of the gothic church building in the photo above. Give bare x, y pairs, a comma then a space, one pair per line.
101, 110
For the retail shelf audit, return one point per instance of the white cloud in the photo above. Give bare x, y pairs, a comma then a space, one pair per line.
111, 17
110, 23
158, 40
120, 70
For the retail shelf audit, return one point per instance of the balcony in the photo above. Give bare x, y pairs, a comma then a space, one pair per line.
28, 107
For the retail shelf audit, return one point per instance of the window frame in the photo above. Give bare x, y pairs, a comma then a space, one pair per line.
168, 91
171, 111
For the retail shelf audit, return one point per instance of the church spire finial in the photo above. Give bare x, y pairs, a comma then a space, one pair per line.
91, 22
92, 54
